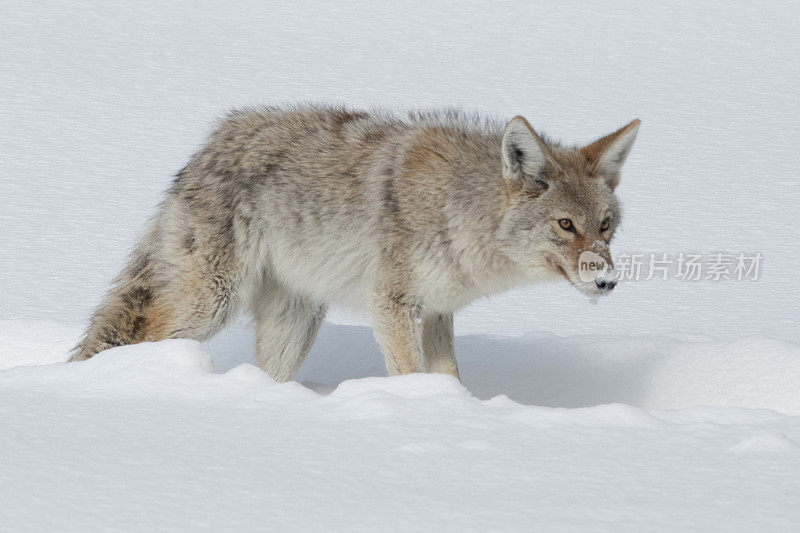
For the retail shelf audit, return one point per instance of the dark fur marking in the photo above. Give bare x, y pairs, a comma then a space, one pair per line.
249, 183
137, 327
138, 298
340, 117
373, 136
390, 202
139, 264
189, 242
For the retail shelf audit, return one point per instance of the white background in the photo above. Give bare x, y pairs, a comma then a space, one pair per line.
102, 102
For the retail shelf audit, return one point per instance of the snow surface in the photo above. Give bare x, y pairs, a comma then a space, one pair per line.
668, 406
152, 437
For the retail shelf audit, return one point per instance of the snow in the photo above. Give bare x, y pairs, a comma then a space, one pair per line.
601, 432
667, 406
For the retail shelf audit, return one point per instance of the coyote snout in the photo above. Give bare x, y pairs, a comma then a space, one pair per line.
596, 274
606, 286
592, 275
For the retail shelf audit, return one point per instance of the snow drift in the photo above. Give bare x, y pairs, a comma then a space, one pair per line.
176, 435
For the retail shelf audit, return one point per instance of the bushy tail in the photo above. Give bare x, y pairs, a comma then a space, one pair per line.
167, 290
133, 311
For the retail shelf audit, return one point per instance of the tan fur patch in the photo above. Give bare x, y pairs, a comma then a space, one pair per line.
159, 318
594, 151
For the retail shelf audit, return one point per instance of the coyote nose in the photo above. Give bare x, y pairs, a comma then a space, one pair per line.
606, 285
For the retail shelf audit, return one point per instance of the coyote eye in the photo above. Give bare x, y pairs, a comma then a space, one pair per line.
605, 225
566, 224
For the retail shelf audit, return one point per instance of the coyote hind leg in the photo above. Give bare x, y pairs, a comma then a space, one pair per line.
286, 326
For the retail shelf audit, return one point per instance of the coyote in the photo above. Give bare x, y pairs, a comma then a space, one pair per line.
284, 212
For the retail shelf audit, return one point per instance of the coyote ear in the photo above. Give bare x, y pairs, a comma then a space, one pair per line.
609, 153
524, 151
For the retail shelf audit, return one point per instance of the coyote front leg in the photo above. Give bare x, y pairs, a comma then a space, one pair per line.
398, 330
437, 342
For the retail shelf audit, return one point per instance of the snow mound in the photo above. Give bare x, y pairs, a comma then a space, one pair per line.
773, 441
550, 371
125, 370
173, 356
419, 386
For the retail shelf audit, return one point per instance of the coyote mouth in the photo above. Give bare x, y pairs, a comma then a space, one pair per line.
556, 267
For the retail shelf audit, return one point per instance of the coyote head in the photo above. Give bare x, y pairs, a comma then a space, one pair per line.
561, 209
